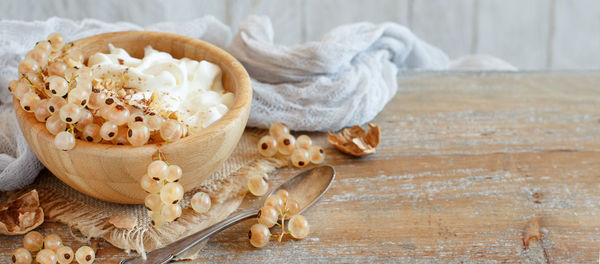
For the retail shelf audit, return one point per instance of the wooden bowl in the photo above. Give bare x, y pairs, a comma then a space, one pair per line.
111, 172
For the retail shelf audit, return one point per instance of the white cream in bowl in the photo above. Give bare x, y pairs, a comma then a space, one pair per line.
192, 89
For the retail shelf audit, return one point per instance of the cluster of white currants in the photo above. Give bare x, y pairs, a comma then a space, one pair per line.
278, 208
162, 182
50, 250
300, 150
58, 88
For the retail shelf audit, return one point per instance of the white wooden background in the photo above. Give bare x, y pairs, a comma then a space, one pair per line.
530, 34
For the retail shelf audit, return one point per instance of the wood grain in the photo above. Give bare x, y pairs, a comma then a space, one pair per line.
577, 35
516, 31
472, 168
445, 24
112, 172
286, 17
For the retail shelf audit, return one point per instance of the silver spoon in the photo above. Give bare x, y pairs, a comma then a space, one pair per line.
306, 188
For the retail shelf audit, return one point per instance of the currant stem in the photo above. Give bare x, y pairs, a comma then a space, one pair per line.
282, 228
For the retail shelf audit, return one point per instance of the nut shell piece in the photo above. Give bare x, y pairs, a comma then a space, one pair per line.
21, 215
356, 141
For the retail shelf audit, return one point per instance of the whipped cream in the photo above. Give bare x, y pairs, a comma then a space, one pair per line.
192, 89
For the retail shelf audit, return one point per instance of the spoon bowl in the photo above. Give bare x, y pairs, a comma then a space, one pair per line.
305, 188
309, 186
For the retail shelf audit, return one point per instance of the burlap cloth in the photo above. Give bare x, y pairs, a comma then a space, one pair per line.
226, 187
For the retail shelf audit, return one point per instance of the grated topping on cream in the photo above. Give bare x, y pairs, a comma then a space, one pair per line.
191, 90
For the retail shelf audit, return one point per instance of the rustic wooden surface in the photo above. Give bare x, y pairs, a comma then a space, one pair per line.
472, 168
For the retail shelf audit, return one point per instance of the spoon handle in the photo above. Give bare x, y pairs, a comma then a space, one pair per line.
165, 254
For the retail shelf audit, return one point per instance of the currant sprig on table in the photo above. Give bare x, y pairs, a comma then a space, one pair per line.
165, 192
279, 141
59, 89
278, 208
50, 250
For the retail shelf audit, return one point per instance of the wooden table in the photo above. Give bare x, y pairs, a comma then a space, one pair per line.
472, 168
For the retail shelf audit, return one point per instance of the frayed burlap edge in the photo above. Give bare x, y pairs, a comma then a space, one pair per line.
143, 238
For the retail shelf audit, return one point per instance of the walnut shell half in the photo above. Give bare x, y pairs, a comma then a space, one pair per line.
21, 215
356, 141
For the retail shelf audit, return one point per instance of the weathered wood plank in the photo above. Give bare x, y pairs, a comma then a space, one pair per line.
472, 168
445, 24
286, 17
516, 31
141, 12
322, 16
577, 35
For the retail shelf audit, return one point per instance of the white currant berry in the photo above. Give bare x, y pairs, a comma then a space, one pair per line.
40, 110
65, 255
201, 202
28, 66
292, 207
33, 241
153, 202
52, 241
171, 193
304, 142
317, 154
171, 130
300, 158
21, 256
57, 68
56, 40
171, 212
28, 100
58, 85
118, 114
278, 129
275, 201
91, 133
138, 134
85, 118
70, 113
298, 226
268, 216
39, 56
21, 89
55, 103
46, 256
109, 130
154, 122
267, 146
79, 96
286, 144
64, 141
85, 255
96, 99
283, 194
158, 170
150, 185
156, 217
174, 173
257, 185
259, 235
55, 125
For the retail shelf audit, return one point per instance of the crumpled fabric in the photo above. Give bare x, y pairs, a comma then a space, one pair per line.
344, 79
